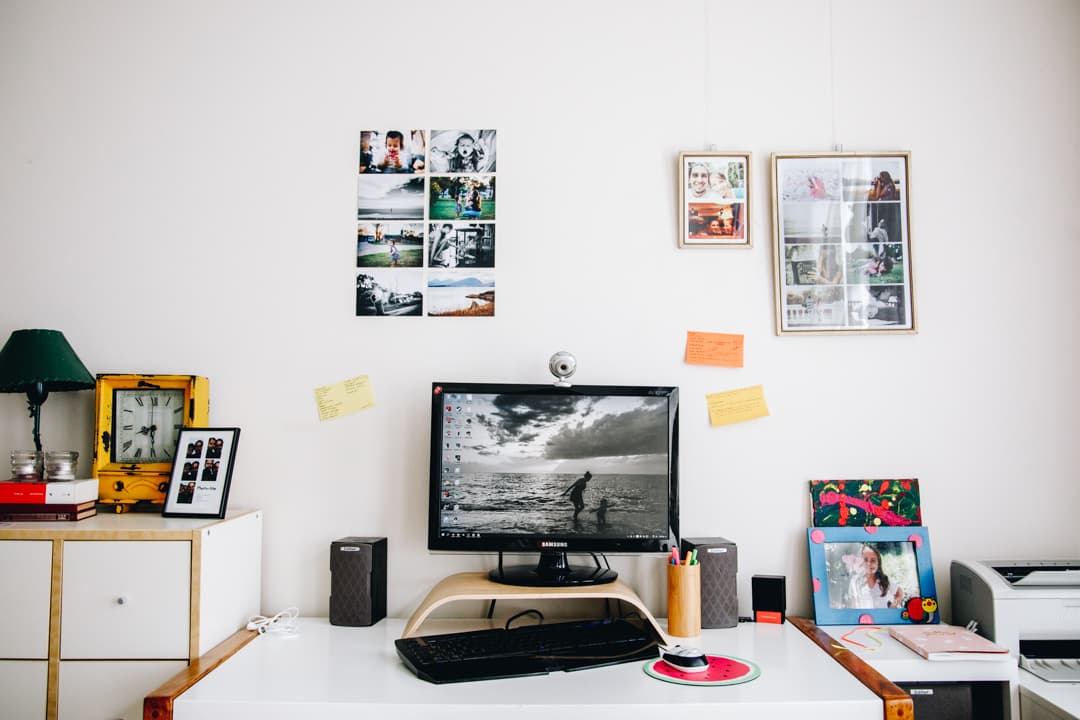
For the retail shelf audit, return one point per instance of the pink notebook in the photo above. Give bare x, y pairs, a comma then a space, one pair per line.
947, 642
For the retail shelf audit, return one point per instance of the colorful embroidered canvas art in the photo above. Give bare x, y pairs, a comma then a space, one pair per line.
862, 503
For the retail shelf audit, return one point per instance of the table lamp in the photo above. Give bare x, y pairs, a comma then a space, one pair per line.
38, 362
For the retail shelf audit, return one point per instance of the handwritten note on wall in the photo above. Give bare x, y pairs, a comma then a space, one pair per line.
344, 398
721, 349
737, 405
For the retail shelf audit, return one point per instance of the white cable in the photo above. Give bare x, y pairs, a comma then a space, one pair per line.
280, 624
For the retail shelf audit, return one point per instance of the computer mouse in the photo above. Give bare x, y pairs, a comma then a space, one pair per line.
684, 659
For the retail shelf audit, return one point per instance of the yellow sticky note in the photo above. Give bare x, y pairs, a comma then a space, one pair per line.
714, 349
343, 398
737, 405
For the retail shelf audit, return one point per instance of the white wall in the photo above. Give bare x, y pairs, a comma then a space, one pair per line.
164, 163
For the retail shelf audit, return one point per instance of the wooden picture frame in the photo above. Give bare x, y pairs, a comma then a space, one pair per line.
714, 199
201, 473
842, 565
842, 243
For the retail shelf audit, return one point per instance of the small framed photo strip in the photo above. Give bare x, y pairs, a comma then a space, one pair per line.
714, 199
201, 473
872, 575
842, 243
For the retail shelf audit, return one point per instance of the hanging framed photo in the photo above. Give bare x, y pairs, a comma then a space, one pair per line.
714, 199
872, 575
842, 243
201, 473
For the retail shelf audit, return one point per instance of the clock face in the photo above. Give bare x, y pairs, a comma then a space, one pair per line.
146, 424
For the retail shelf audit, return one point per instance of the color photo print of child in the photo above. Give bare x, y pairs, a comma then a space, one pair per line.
392, 151
462, 197
389, 244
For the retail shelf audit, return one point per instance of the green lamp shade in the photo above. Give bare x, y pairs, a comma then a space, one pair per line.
41, 356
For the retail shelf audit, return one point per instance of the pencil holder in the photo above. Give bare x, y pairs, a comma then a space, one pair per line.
684, 600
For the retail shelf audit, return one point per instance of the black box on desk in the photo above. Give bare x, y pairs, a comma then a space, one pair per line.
940, 701
769, 598
357, 581
719, 560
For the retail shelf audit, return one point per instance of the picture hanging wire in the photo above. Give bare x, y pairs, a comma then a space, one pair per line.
832, 76
707, 75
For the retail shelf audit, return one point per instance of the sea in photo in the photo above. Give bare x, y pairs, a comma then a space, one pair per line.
390, 197
463, 293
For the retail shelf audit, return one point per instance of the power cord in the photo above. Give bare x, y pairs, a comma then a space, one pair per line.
530, 611
280, 624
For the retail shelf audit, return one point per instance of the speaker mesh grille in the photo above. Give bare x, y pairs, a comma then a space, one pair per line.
350, 585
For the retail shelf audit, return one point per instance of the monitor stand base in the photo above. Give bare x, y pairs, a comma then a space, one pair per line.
478, 586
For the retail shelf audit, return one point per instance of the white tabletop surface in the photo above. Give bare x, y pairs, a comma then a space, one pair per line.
901, 664
326, 671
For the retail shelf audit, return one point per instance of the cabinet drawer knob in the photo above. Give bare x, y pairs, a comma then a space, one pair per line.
122, 600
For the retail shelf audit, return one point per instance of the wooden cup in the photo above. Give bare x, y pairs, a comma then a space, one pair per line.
684, 600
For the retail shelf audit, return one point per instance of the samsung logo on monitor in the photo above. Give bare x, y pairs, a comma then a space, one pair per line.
552, 544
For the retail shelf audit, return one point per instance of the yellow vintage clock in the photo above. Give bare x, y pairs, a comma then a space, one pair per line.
138, 421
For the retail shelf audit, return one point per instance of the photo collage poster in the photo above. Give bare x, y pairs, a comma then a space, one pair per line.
425, 242
843, 242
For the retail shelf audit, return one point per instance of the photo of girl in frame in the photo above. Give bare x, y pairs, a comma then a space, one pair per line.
871, 574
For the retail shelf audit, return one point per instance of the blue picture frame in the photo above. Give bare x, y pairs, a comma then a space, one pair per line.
841, 563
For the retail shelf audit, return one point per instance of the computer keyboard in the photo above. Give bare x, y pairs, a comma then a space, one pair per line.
528, 650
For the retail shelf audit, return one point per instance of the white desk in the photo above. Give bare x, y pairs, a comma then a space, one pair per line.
337, 672
902, 665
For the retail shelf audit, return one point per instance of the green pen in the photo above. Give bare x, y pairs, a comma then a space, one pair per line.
693, 557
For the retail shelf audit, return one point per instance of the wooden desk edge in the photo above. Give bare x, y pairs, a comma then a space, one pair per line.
898, 704
158, 705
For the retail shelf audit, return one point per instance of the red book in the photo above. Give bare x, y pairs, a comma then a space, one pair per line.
58, 492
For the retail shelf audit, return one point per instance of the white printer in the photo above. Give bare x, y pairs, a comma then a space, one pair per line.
1032, 608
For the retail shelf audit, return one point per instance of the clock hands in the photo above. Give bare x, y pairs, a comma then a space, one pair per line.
153, 427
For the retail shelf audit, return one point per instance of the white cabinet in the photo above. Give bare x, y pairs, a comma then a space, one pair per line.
112, 606
27, 569
139, 590
82, 683
23, 687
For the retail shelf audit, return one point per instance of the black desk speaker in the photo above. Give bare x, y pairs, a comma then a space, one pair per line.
357, 581
719, 560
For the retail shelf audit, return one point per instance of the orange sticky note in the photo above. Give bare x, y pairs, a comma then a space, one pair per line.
714, 349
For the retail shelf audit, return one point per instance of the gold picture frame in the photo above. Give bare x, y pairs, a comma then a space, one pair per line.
714, 199
842, 243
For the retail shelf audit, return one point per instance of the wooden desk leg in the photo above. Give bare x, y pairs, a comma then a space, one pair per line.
158, 705
898, 704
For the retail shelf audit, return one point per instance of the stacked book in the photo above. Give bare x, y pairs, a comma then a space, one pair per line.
48, 501
947, 642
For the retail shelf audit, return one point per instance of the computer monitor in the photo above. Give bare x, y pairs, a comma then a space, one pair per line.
555, 470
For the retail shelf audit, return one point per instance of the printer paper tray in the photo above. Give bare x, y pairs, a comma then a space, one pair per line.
1053, 669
